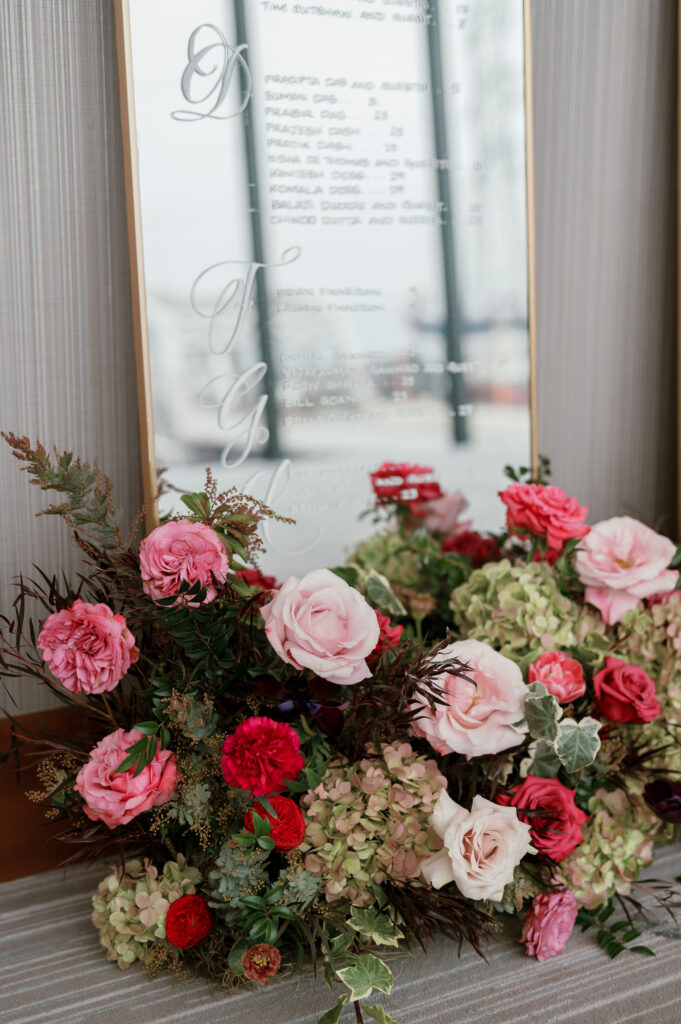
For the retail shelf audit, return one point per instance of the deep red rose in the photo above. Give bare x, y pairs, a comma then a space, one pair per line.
392, 483
474, 545
261, 755
287, 829
625, 693
254, 578
390, 635
555, 830
188, 921
261, 962
545, 512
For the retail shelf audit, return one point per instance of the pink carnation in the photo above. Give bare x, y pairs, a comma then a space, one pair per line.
549, 924
544, 511
182, 551
322, 624
260, 755
87, 647
621, 562
562, 676
117, 797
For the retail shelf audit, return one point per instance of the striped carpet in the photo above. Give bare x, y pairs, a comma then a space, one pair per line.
52, 972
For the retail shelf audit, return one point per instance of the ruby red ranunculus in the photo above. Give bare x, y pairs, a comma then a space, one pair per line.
261, 962
188, 921
625, 693
260, 755
545, 512
555, 824
390, 635
473, 545
287, 829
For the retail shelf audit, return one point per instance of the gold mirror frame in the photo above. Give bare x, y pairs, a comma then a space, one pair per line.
137, 283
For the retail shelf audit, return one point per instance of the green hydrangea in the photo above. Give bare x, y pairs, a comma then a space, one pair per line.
367, 822
518, 609
130, 906
618, 843
238, 872
388, 554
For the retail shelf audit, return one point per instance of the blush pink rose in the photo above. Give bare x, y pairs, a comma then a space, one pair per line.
549, 924
322, 624
476, 719
544, 511
562, 676
117, 797
182, 551
87, 647
622, 561
443, 515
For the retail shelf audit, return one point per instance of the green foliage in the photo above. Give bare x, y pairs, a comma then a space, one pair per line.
264, 916
365, 973
142, 752
238, 874
542, 712
374, 926
544, 762
333, 1015
578, 743
317, 752
378, 1013
564, 740
614, 938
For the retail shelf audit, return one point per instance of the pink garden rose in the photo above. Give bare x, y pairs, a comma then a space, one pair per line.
481, 847
549, 924
322, 624
544, 511
476, 719
443, 515
87, 647
562, 676
178, 551
622, 561
117, 797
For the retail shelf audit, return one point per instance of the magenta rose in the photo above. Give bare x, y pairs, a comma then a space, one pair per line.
625, 693
477, 716
261, 755
322, 624
549, 923
562, 676
555, 820
544, 511
117, 797
178, 552
621, 562
87, 647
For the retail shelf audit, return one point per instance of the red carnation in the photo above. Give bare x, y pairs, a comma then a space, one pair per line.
261, 962
392, 484
261, 755
287, 829
545, 512
625, 693
390, 635
188, 921
555, 821
473, 545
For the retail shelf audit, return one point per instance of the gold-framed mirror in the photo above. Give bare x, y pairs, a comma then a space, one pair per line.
330, 211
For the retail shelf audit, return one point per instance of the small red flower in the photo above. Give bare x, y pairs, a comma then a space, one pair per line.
261, 962
261, 755
287, 829
474, 545
390, 635
255, 578
188, 921
555, 820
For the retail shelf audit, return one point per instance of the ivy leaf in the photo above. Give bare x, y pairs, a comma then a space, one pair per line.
378, 1013
543, 762
348, 573
378, 928
366, 974
235, 954
543, 712
578, 743
380, 593
333, 1015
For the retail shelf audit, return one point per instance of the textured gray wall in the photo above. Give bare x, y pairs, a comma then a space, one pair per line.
605, 169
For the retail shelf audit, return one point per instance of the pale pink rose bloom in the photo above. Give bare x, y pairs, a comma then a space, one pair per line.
549, 924
87, 647
321, 623
482, 847
443, 515
620, 562
117, 797
178, 551
478, 716
562, 676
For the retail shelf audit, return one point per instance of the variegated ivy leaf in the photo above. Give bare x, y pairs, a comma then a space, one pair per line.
378, 928
578, 743
366, 973
542, 712
543, 762
380, 593
378, 1013
333, 1015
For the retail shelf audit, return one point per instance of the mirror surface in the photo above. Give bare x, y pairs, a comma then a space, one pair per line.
333, 209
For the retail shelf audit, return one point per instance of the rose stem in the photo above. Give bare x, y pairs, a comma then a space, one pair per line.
358, 1013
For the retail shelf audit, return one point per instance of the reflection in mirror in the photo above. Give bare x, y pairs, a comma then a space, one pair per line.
333, 209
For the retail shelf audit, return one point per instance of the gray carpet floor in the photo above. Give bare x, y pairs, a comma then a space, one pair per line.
53, 972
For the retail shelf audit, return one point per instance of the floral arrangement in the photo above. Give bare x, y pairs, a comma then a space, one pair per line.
451, 727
